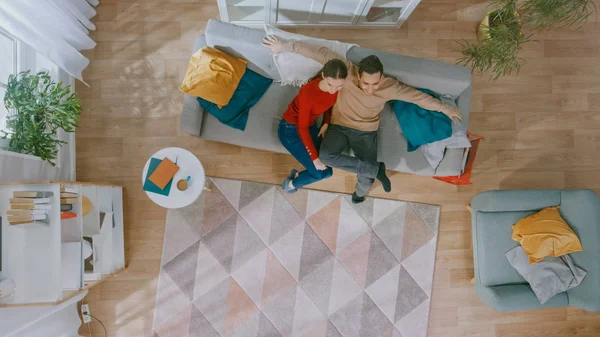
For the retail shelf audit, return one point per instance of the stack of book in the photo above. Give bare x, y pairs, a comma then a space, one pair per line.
68, 198
160, 176
29, 207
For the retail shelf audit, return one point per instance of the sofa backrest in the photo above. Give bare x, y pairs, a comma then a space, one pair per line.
243, 42
440, 77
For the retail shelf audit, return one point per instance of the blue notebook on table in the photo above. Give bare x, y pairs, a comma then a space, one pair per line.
149, 186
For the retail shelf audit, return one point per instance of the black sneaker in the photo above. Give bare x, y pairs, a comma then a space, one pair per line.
356, 199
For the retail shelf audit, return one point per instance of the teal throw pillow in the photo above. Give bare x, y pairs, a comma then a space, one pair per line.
251, 88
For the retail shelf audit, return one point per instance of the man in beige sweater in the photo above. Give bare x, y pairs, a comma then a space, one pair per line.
355, 115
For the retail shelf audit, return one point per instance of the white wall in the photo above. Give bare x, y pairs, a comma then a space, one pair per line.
20, 167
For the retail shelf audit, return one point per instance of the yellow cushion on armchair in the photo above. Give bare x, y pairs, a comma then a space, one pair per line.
213, 75
545, 233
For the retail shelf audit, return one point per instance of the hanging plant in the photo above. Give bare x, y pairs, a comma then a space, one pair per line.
38, 107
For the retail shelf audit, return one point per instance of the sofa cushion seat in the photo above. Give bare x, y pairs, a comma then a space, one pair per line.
493, 240
263, 121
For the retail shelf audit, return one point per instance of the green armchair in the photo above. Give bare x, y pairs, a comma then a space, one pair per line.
497, 283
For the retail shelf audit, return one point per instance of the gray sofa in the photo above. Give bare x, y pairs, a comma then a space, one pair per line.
497, 283
264, 117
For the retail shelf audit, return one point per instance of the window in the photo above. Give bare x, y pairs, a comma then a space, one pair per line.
8, 66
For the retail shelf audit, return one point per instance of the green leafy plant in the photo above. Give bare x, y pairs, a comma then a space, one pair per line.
39, 107
502, 38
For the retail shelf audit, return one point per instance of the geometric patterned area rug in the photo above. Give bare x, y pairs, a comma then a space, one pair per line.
248, 260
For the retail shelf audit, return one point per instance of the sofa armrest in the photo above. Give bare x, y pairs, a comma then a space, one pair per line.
191, 116
516, 297
515, 200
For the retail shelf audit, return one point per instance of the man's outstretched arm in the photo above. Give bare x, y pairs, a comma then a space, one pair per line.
403, 92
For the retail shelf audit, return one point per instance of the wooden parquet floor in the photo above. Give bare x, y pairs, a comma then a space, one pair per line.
541, 129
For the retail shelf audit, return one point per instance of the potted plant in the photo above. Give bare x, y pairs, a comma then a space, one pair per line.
501, 33
38, 107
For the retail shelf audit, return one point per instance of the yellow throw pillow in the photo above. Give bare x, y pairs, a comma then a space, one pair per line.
545, 233
213, 75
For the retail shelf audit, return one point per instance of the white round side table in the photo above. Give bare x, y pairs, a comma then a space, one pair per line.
189, 165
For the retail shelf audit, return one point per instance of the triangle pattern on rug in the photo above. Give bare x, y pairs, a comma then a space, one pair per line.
280, 311
384, 207
209, 272
240, 307
182, 269
391, 332
416, 233
246, 244
332, 331
318, 330
169, 300
325, 221
258, 214
414, 324
420, 266
230, 189
391, 230
306, 314
363, 270
200, 326
373, 322
266, 328
384, 292
343, 288
410, 295
284, 218
363, 209
347, 320
250, 191
355, 257
179, 236
288, 249
213, 305
430, 214
316, 200
318, 285
314, 253
249, 328
276, 280
297, 199
216, 209
381, 260
351, 225
251, 276
221, 240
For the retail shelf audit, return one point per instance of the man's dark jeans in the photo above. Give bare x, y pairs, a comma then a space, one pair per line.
364, 145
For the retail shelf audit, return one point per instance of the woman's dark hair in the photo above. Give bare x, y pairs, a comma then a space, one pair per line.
335, 68
370, 65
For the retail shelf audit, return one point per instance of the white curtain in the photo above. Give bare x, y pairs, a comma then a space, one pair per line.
57, 29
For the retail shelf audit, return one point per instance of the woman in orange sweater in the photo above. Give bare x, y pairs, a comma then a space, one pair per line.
298, 130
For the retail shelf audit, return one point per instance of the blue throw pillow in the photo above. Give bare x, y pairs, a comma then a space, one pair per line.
421, 126
235, 114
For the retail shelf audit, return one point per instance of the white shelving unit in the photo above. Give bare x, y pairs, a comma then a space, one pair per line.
46, 260
315, 13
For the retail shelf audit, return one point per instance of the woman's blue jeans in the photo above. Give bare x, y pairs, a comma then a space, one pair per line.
289, 137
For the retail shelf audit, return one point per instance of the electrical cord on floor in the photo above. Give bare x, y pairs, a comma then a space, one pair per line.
99, 321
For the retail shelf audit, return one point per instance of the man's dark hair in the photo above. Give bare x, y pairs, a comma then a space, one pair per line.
370, 65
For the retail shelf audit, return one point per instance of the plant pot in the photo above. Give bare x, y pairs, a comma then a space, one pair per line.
482, 29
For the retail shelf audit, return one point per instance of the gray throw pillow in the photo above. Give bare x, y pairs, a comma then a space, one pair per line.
548, 277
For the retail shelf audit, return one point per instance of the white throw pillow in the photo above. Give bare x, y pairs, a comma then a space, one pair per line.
296, 69
434, 152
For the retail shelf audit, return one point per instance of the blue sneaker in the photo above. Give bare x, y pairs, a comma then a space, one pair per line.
286, 183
